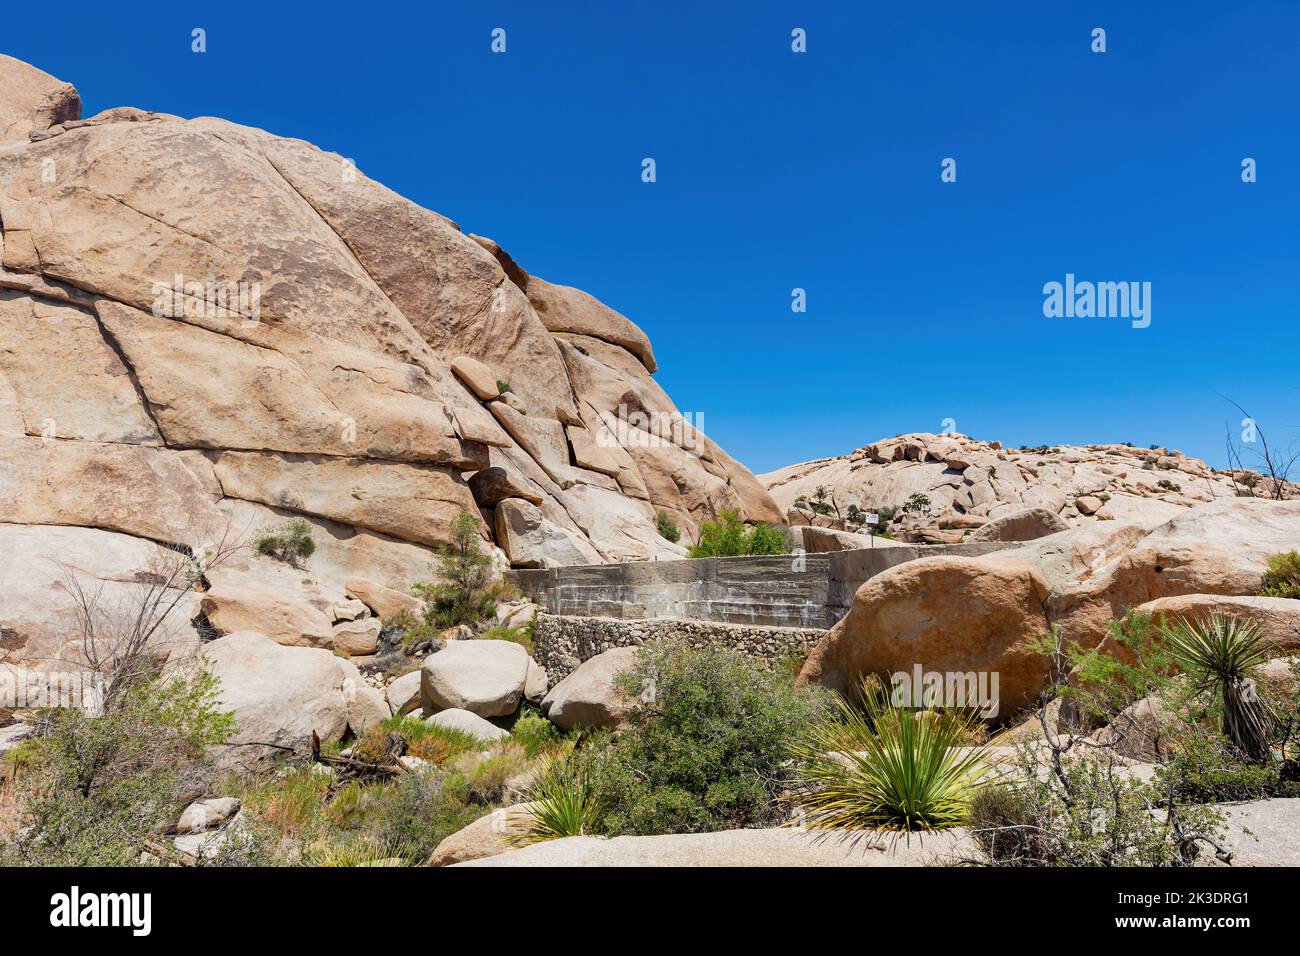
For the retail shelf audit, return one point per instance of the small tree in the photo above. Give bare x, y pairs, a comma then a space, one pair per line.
468, 592
917, 503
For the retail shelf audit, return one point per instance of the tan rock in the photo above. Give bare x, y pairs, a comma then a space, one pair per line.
68, 382
480, 379
487, 836
484, 677
356, 637
273, 612
147, 492
32, 100
495, 484
532, 541
947, 615
591, 695
1023, 525
415, 503
385, 602
279, 696
564, 309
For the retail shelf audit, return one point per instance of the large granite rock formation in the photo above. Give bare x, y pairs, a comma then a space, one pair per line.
203, 324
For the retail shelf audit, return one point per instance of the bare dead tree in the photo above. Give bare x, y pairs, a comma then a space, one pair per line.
124, 635
1276, 464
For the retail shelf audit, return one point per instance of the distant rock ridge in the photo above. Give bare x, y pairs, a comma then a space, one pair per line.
969, 483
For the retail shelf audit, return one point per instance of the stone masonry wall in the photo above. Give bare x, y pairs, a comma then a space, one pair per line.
561, 643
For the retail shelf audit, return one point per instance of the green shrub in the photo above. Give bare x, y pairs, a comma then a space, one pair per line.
729, 536
1282, 579
705, 748
667, 528
535, 733
1168, 485
1208, 769
517, 635
416, 811
290, 542
1088, 814
888, 767
468, 592
93, 788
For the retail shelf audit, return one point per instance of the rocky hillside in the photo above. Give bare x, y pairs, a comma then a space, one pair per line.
203, 325
970, 483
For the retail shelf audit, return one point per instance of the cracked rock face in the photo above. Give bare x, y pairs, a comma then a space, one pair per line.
203, 323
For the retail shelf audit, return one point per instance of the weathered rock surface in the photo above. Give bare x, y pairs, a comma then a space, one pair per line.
777, 847
32, 100
279, 696
484, 677
1027, 525
590, 696
951, 614
468, 722
486, 836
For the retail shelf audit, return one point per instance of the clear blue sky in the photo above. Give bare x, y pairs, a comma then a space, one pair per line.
819, 171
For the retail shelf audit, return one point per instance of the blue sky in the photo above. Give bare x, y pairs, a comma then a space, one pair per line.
819, 171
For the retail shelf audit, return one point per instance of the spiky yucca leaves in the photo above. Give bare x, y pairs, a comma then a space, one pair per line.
887, 767
1219, 653
562, 802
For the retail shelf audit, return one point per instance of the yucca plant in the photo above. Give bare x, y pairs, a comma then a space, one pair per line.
887, 767
1219, 653
561, 804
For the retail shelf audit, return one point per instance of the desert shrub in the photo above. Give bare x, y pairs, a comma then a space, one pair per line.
1208, 769
93, 788
1282, 579
417, 811
667, 528
1107, 684
468, 592
1084, 811
1168, 485
502, 387
517, 635
290, 542
535, 733
423, 739
886, 767
705, 748
563, 802
729, 536
485, 777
